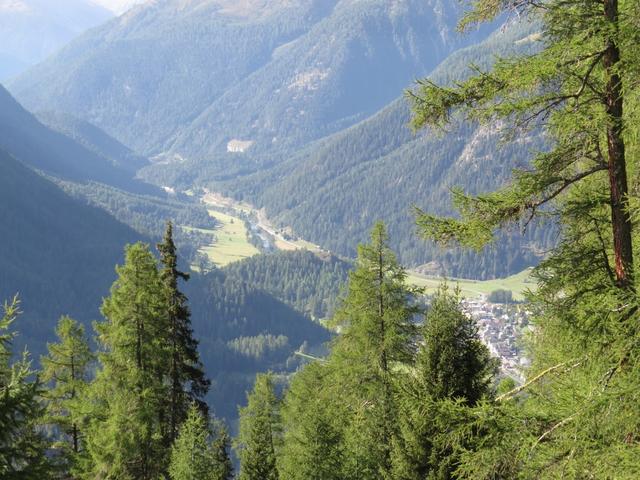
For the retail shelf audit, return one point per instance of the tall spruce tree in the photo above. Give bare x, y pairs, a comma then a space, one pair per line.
578, 417
124, 436
452, 364
200, 453
259, 428
22, 448
187, 381
66, 372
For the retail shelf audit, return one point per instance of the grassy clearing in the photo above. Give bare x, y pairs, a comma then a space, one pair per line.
518, 284
232, 243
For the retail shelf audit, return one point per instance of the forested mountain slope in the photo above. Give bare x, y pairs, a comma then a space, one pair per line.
40, 147
172, 77
57, 253
332, 192
32, 29
94, 139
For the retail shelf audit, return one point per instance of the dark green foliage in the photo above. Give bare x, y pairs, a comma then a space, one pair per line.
308, 282
313, 427
259, 429
183, 370
22, 448
452, 364
500, 296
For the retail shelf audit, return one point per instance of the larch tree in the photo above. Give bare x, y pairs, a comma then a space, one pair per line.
65, 370
574, 416
22, 448
574, 88
376, 320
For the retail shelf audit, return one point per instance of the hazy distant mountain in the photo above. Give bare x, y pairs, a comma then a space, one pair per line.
196, 78
38, 146
94, 139
32, 29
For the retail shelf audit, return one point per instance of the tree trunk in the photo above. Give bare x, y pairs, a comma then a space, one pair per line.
620, 219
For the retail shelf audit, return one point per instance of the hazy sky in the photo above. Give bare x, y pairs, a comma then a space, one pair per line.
117, 6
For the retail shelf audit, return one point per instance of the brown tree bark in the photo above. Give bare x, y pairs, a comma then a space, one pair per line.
620, 219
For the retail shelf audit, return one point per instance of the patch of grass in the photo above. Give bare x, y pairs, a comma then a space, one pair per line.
518, 284
232, 242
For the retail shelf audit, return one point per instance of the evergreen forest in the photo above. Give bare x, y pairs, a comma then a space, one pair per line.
304, 364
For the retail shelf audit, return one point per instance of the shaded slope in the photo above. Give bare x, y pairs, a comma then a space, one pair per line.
40, 147
57, 253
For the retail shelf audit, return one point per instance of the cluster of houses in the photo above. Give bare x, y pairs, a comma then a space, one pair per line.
501, 327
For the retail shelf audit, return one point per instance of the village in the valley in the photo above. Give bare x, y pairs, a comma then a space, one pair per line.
501, 327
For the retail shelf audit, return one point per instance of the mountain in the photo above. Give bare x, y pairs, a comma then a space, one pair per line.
205, 79
94, 139
294, 106
40, 147
32, 29
333, 191
59, 256
58, 253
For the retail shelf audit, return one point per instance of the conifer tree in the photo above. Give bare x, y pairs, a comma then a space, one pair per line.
259, 427
452, 364
376, 319
22, 448
195, 456
66, 369
575, 89
313, 423
577, 414
124, 436
187, 381
221, 448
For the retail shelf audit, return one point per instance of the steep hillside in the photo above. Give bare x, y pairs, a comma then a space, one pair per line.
59, 256
32, 29
172, 78
57, 253
94, 139
40, 147
332, 192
